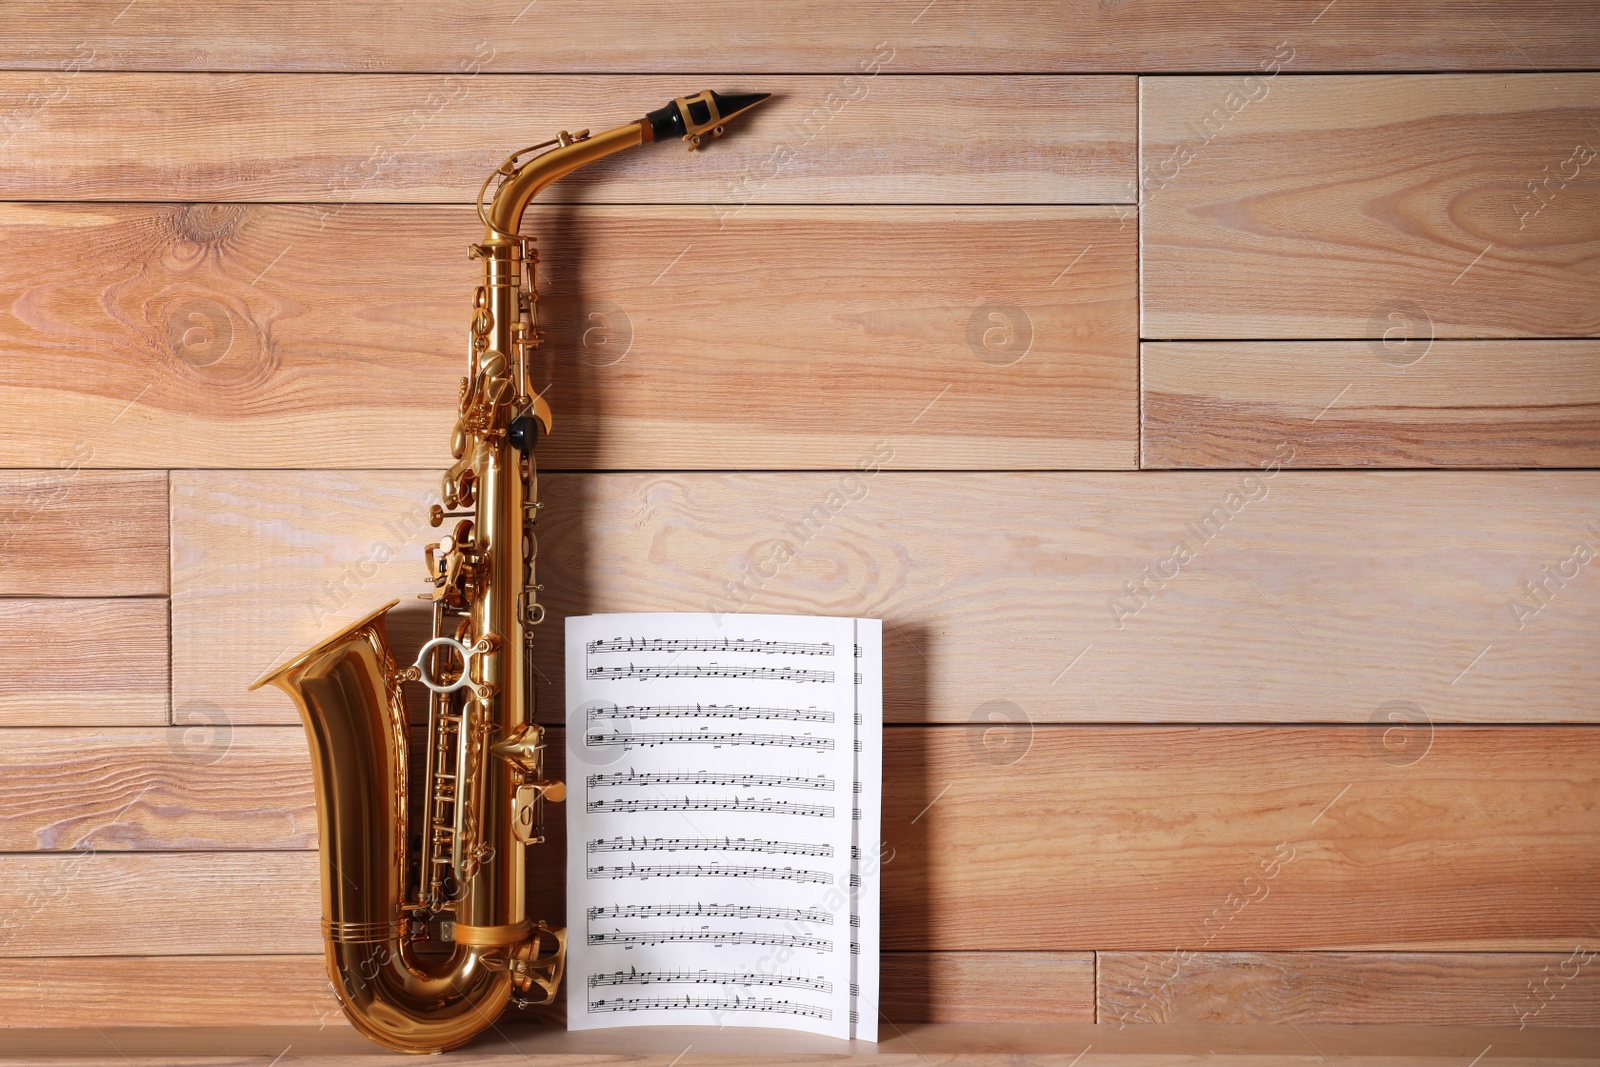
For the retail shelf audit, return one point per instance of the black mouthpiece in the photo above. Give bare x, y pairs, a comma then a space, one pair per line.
736, 103
691, 117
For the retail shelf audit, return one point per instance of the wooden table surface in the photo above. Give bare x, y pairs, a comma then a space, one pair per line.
913, 1045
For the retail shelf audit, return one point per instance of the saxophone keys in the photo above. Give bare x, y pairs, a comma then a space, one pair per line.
492, 364
525, 819
525, 816
533, 963
529, 611
437, 515
465, 489
541, 411
523, 749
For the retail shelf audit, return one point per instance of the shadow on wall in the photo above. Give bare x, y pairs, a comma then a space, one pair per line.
906, 995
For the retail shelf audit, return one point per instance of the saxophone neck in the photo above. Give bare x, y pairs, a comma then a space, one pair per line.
696, 118
504, 214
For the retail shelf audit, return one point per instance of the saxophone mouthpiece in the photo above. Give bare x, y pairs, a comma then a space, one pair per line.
704, 114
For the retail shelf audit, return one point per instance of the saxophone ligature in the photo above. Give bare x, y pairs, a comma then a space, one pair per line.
428, 938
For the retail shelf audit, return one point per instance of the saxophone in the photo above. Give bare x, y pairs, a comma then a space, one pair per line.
483, 787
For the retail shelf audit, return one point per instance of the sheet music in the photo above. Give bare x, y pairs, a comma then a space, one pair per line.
718, 821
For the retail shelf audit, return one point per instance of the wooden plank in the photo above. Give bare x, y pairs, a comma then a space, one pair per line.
83, 662
1122, 838
956, 35
200, 785
995, 587
1303, 988
1233, 838
991, 987
792, 336
1365, 207
317, 519
69, 531
168, 991
146, 991
80, 903
433, 139
1363, 404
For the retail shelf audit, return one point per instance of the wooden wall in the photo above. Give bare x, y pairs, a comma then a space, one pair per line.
1058, 336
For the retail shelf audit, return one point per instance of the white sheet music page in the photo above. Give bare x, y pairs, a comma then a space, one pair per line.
715, 861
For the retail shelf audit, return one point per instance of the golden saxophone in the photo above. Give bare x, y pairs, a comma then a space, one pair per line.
483, 784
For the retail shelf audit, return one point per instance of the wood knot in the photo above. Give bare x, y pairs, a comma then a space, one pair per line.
207, 224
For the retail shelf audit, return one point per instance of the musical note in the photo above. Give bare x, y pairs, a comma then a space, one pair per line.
784, 1007
748, 781
713, 937
708, 844
716, 911
709, 644
707, 711
633, 976
776, 874
766, 807
821, 744
760, 674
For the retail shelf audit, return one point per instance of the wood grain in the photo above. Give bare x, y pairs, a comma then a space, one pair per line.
1328, 597
1221, 838
878, 138
1364, 404
81, 662
990, 987
1437, 989
954, 35
239, 336
1320, 207
954, 1045
198, 785
167, 991
1140, 838
70, 531
82, 903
